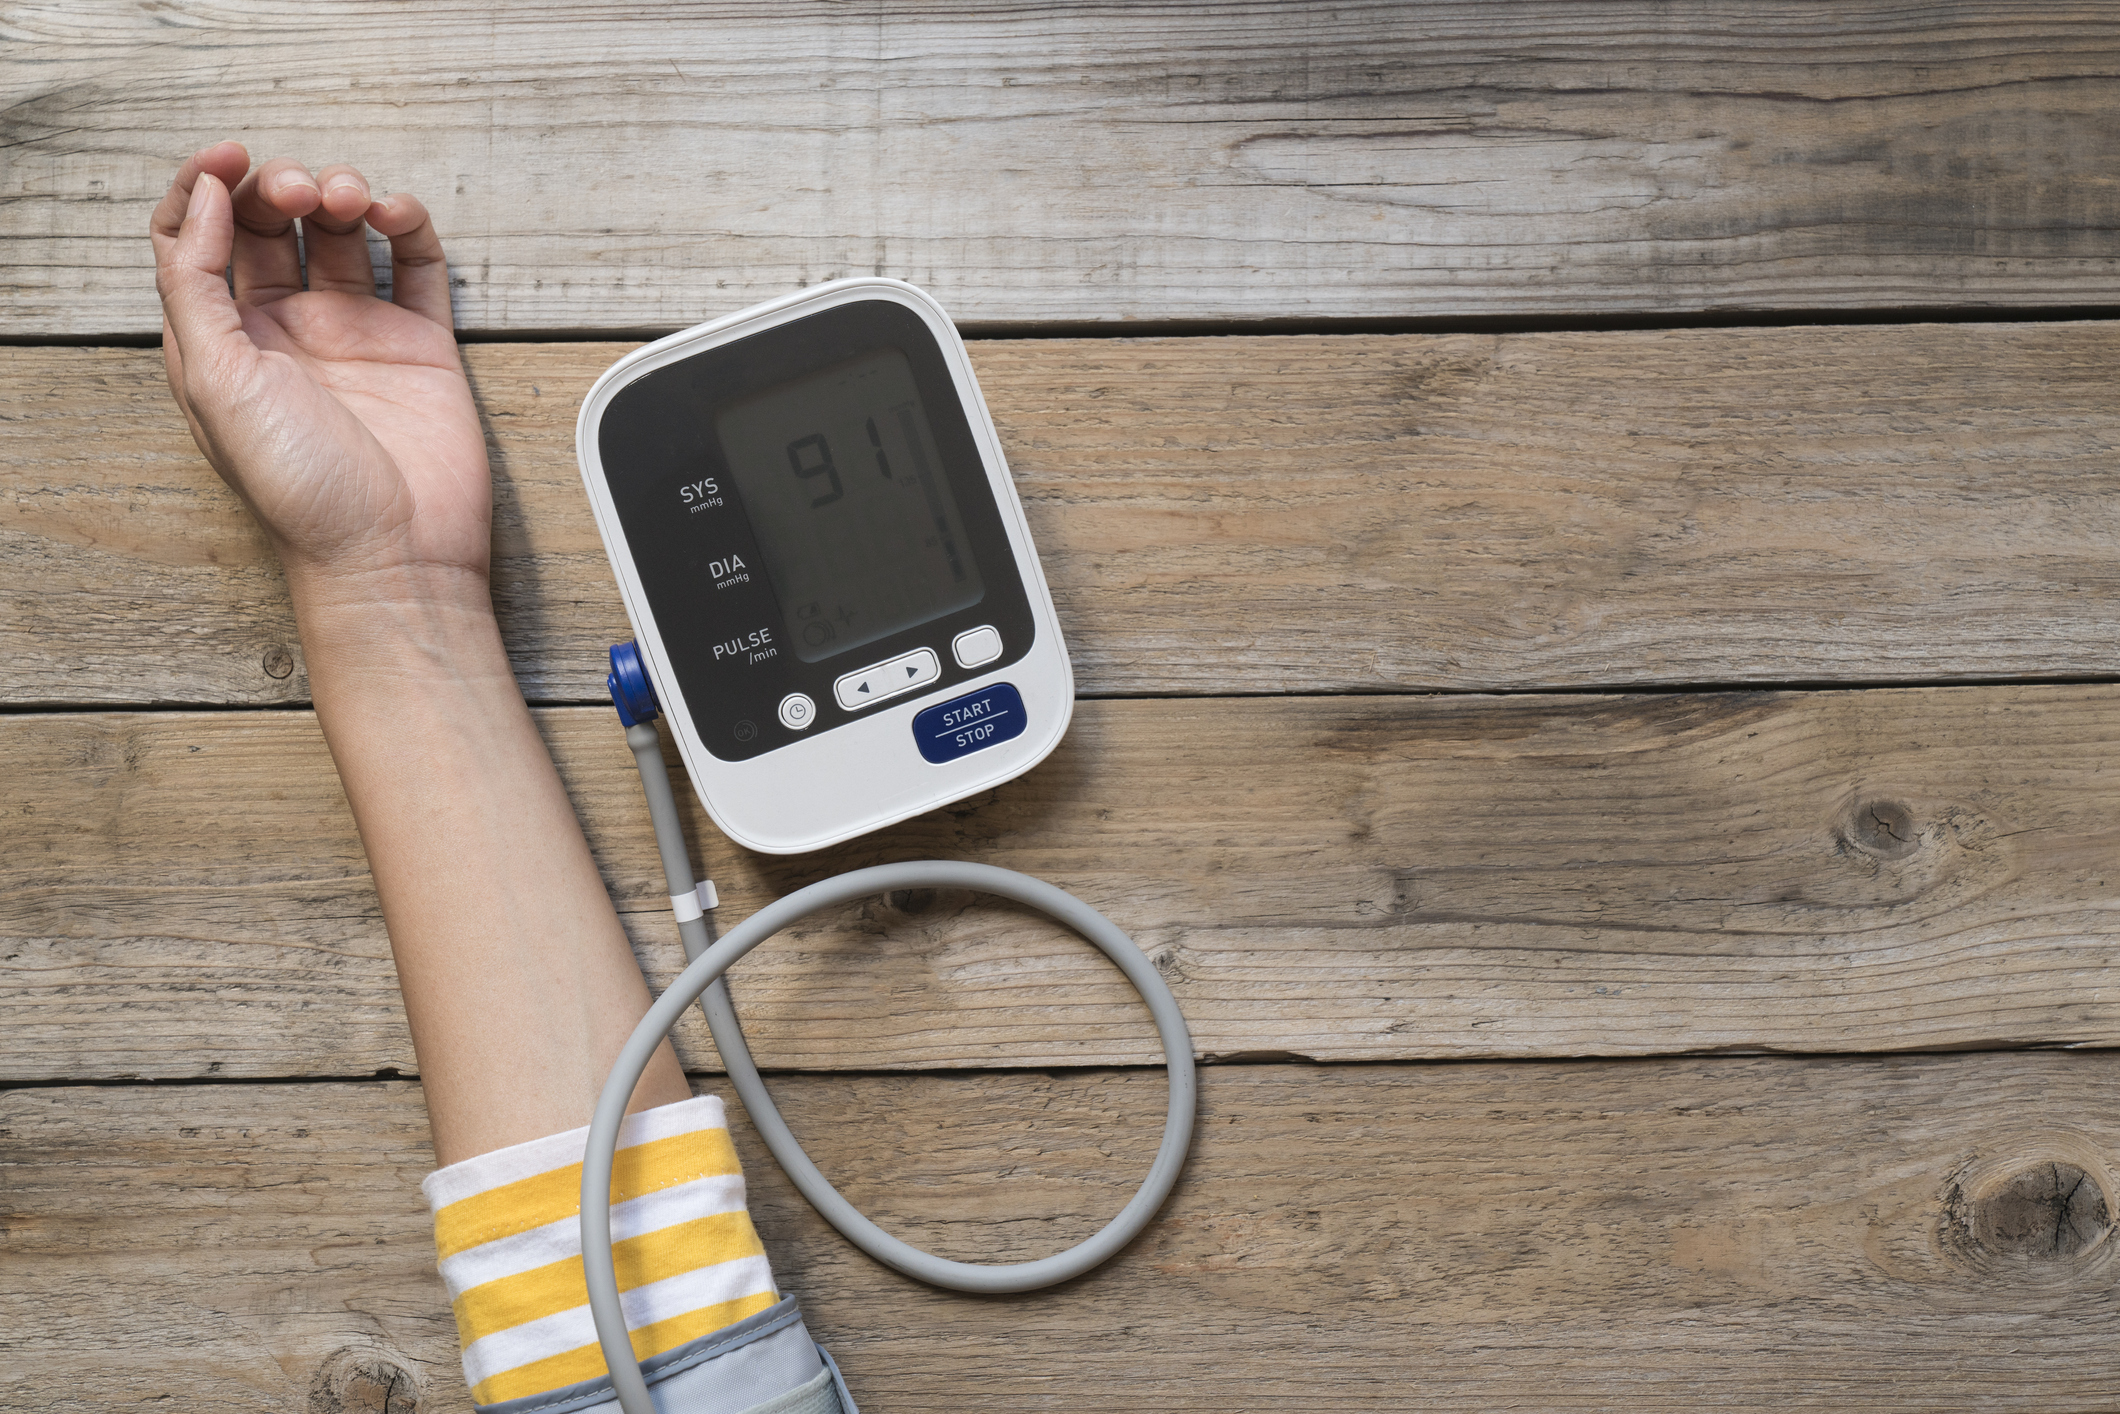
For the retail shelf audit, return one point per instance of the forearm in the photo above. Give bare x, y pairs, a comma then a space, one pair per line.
519, 983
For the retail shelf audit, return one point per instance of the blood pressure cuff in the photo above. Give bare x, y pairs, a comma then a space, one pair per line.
712, 1333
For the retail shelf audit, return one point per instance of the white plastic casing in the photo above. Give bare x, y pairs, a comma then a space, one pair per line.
864, 774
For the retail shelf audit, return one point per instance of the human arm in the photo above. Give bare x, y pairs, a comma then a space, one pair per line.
346, 424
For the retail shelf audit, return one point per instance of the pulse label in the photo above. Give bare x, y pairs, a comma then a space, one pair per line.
753, 647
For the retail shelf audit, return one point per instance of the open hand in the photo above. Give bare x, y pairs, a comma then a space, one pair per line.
343, 421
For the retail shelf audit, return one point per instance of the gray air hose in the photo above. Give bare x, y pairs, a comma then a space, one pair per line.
703, 979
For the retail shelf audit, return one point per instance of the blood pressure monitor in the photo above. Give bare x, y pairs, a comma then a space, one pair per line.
825, 563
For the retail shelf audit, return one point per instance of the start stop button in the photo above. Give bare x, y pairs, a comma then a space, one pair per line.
973, 722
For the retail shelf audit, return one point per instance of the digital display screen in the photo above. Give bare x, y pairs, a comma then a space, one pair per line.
843, 482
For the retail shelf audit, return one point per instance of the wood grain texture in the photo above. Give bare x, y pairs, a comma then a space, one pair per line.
596, 166
1344, 879
1763, 1234
1279, 514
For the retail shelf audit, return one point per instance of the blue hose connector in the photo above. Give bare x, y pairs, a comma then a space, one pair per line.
631, 692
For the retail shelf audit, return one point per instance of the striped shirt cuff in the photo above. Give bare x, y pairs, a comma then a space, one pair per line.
508, 1235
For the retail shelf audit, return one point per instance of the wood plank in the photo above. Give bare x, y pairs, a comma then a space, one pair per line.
1338, 878
1278, 514
1932, 1233
606, 167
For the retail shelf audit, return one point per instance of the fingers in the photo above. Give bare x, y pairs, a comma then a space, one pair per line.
335, 235
334, 207
268, 262
419, 273
194, 289
227, 161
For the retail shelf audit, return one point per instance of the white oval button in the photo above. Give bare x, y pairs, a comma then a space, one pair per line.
977, 645
797, 711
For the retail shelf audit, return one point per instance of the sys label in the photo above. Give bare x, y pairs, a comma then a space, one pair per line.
970, 723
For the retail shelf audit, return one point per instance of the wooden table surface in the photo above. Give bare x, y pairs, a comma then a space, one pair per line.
1588, 537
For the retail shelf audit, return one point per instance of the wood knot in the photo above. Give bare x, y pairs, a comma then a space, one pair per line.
1883, 828
2047, 1213
364, 1380
278, 662
901, 905
910, 902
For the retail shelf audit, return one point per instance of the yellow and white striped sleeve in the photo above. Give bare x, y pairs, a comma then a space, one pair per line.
692, 1275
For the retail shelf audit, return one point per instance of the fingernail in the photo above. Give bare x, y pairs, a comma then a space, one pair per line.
198, 195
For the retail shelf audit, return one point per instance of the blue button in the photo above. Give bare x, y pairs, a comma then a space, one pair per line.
970, 723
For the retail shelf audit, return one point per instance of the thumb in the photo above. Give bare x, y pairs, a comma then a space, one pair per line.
191, 277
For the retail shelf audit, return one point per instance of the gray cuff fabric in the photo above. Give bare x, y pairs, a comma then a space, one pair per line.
819, 1396
764, 1364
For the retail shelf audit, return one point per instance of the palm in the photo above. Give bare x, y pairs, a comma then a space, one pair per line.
373, 396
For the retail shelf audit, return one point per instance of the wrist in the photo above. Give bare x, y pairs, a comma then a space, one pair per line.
427, 623
350, 583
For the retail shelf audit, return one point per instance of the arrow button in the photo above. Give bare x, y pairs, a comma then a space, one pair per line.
893, 676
